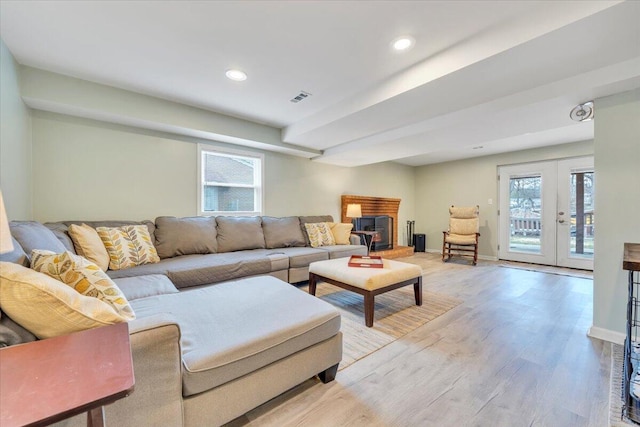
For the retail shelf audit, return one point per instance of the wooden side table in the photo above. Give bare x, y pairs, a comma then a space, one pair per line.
47, 381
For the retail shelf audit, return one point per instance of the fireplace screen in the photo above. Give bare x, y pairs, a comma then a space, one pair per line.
383, 226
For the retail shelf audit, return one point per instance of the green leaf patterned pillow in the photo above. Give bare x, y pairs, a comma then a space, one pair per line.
128, 246
319, 234
83, 276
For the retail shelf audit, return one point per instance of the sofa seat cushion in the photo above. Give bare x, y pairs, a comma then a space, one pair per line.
145, 286
302, 257
279, 260
234, 328
341, 251
196, 270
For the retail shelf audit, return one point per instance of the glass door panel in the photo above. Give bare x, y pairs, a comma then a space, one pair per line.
547, 213
527, 213
576, 213
582, 214
525, 222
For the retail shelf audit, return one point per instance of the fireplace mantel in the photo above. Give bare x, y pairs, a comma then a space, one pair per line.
374, 206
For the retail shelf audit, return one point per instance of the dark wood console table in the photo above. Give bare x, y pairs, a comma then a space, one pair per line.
47, 381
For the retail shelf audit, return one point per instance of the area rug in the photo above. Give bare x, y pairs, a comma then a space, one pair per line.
395, 315
616, 418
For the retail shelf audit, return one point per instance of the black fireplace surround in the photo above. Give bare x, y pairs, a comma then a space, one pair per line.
382, 225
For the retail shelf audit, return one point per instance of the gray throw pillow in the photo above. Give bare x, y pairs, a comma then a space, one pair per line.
33, 235
282, 232
239, 233
185, 236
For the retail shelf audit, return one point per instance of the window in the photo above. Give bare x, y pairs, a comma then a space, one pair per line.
230, 182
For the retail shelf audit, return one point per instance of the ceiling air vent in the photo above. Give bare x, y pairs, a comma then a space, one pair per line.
299, 97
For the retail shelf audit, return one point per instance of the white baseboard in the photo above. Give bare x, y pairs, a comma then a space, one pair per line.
484, 257
606, 335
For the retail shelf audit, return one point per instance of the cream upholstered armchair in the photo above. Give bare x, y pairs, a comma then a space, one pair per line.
463, 233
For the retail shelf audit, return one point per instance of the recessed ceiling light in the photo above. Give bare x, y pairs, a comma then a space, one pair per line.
236, 75
404, 43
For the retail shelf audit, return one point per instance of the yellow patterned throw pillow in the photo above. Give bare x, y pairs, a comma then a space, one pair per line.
128, 246
319, 234
83, 276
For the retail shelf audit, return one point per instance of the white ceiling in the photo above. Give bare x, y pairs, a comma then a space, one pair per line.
498, 74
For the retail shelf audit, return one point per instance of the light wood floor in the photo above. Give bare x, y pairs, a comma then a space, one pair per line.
515, 353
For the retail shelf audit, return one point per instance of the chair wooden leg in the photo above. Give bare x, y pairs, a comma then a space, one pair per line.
444, 244
475, 254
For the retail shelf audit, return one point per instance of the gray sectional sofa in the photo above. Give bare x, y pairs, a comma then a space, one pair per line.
218, 330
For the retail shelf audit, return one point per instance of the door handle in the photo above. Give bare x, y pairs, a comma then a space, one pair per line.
561, 221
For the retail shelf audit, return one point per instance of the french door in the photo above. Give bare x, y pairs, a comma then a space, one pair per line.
547, 213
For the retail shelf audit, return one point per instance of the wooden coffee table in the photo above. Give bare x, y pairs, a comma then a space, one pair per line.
368, 282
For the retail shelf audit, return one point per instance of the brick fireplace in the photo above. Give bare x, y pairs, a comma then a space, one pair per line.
375, 206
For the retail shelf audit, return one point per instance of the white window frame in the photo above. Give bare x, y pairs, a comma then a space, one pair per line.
258, 176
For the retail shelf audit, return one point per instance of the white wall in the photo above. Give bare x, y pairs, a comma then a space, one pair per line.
84, 169
15, 141
473, 182
617, 199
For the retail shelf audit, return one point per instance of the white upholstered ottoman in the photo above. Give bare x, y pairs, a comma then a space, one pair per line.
368, 282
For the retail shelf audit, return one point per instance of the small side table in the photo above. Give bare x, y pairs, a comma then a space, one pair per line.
47, 381
368, 237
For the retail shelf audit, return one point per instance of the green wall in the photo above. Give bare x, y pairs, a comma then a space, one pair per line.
617, 164
85, 169
15, 140
473, 182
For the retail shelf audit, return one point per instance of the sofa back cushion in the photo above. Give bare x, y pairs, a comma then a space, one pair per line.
312, 219
282, 232
33, 235
239, 233
185, 236
61, 231
17, 255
